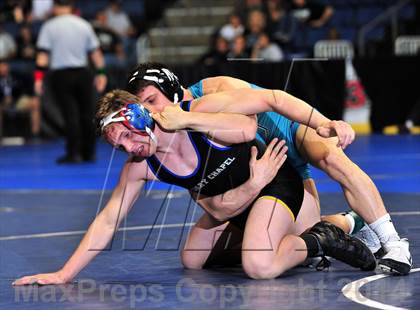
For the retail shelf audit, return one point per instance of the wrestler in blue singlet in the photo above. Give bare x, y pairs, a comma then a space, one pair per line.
273, 125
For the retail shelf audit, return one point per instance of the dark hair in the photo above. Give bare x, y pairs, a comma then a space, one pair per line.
111, 102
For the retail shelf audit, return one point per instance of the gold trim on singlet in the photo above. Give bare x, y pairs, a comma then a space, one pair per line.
281, 203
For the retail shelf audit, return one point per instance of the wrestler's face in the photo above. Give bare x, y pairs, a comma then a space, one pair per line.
133, 143
153, 99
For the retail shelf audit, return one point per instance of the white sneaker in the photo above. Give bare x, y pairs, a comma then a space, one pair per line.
369, 237
397, 259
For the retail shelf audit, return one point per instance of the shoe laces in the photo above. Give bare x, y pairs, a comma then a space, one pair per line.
369, 237
324, 263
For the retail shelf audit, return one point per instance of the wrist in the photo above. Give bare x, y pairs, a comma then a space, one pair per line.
39, 73
255, 186
320, 120
188, 120
65, 275
100, 71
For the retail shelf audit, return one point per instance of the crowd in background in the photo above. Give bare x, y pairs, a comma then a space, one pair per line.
20, 22
266, 29
112, 25
269, 30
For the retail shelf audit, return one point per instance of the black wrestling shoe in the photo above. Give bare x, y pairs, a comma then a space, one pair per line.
335, 243
89, 159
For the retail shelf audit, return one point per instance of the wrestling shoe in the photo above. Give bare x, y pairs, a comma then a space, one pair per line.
335, 243
397, 259
369, 237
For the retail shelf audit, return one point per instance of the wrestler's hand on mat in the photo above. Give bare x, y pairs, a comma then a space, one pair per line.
171, 118
264, 170
341, 129
41, 279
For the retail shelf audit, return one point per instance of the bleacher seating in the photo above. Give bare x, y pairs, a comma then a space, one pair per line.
407, 45
349, 16
338, 49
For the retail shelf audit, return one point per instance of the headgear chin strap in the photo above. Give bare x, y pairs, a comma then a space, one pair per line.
135, 117
165, 80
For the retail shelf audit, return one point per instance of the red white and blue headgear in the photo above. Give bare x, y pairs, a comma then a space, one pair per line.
135, 117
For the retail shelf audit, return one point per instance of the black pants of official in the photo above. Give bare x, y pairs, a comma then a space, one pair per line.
74, 93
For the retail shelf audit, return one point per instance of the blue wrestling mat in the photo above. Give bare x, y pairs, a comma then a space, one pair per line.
45, 209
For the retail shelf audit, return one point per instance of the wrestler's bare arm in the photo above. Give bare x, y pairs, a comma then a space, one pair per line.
224, 128
254, 101
219, 84
244, 99
101, 230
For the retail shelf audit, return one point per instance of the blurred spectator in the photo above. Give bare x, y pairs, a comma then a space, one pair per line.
118, 20
41, 9
26, 45
6, 11
238, 49
244, 8
233, 29
256, 25
333, 34
120, 23
7, 44
312, 13
218, 52
266, 50
15, 10
109, 41
282, 24
16, 94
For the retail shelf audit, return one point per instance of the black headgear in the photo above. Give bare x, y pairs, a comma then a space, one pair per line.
164, 79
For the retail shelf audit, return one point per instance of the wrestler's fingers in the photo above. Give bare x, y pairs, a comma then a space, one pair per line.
340, 135
254, 153
280, 158
278, 148
270, 147
346, 141
157, 117
281, 162
350, 136
24, 281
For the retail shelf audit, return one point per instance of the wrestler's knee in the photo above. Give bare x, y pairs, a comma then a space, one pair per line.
191, 261
259, 266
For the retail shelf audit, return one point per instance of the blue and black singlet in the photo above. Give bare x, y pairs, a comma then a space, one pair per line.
220, 169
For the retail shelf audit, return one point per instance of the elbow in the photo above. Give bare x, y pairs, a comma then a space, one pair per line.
223, 214
220, 216
218, 213
250, 131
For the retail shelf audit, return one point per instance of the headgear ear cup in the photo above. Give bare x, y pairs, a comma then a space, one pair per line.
138, 117
134, 116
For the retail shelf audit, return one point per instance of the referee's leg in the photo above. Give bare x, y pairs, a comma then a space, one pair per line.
62, 87
86, 101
